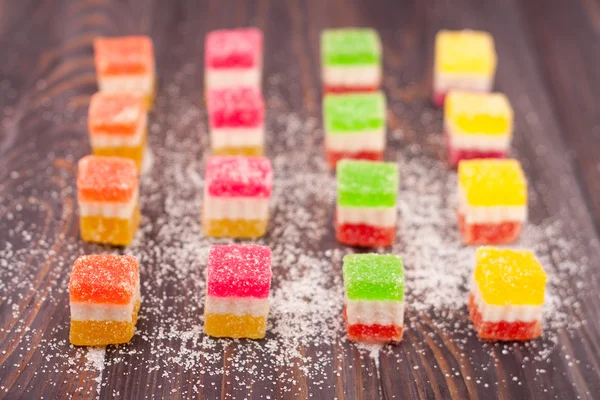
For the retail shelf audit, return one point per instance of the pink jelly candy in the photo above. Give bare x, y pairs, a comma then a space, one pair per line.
241, 107
239, 271
235, 48
239, 176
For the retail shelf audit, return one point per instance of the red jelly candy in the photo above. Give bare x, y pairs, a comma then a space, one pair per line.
500, 233
365, 235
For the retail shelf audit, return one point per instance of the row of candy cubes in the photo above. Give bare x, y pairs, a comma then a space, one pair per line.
478, 127
125, 67
505, 301
118, 128
104, 290
507, 290
360, 219
477, 124
492, 200
365, 190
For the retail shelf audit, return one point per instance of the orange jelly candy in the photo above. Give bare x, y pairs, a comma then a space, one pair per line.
108, 199
117, 123
104, 294
124, 55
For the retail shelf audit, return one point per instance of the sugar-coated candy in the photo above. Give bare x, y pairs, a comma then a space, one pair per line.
233, 58
126, 64
238, 283
492, 200
374, 305
236, 117
236, 196
104, 295
507, 294
108, 198
350, 60
464, 60
477, 125
366, 211
118, 125
354, 126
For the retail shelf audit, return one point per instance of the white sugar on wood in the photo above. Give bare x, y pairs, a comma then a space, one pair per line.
306, 332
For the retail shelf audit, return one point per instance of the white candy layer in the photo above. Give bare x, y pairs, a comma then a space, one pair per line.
384, 217
508, 313
105, 312
372, 140
236, 306
107, 209
103, 140
370, 312
476, 141
143, 84
218, 78
444, 82
235, 207
237, 137
363, 75
489, 214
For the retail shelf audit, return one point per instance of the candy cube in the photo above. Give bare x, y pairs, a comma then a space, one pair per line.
237, 291
464, 60
104, 293
492, 200
507, 294
237, 117
236, 196
108, 197
354, 126
350, 60
477, 125
118, 125
374, 304
366, 203
126, 64
233, 58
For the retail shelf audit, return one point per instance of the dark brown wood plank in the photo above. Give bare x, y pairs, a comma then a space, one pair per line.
36, 211
44, 97
566, 37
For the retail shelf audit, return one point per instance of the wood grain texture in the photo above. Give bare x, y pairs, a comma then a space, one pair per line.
565, 53
548, 68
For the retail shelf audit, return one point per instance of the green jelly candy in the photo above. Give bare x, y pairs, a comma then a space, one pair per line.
366, 183
350, 47
374, 277
354, 113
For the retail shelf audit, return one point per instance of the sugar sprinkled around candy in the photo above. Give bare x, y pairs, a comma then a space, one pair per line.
239, 271
238, 176
112, 179
305, 345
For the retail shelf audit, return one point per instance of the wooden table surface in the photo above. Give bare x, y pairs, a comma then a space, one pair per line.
549, 58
